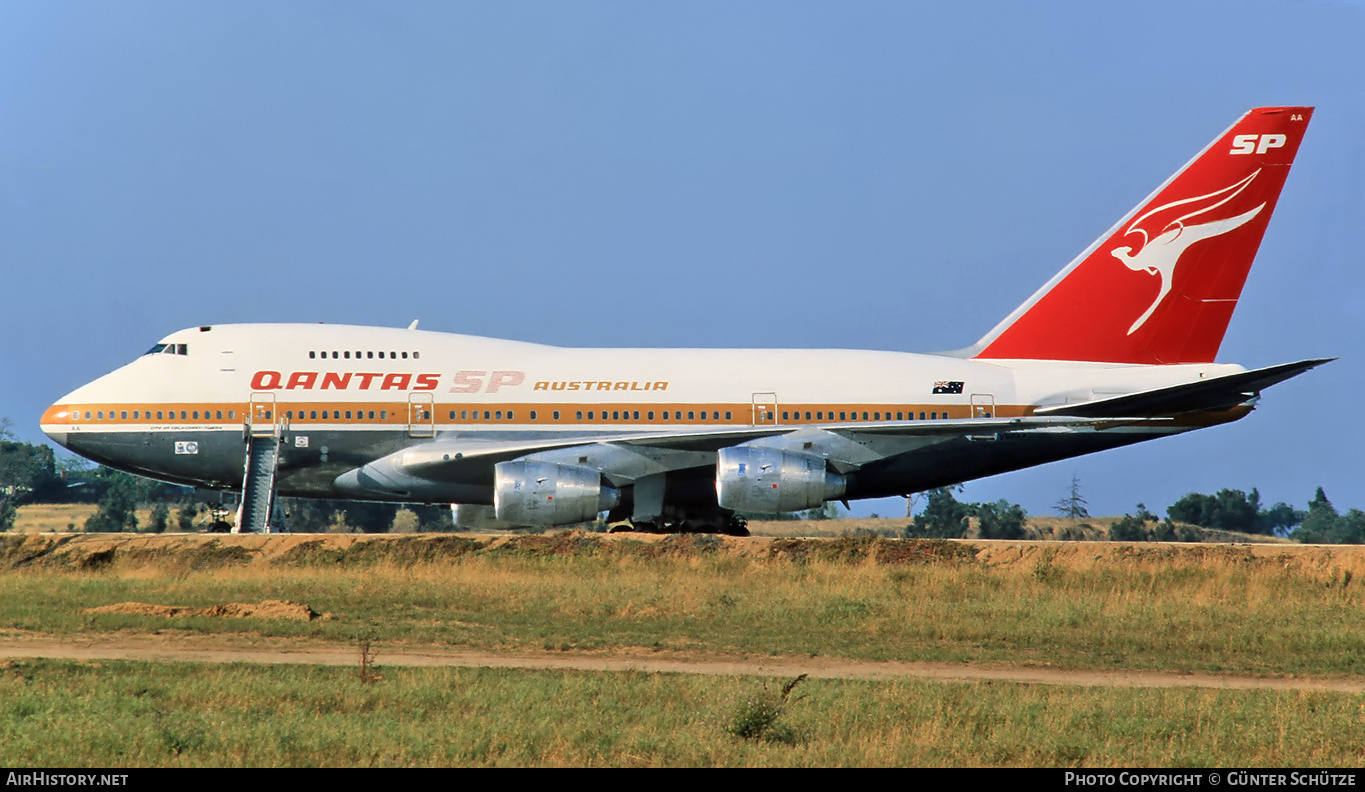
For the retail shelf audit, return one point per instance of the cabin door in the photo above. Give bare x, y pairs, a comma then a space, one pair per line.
765, 409
983, 405
421, 415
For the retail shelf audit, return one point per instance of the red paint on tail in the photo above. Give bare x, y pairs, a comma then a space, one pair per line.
1160, 287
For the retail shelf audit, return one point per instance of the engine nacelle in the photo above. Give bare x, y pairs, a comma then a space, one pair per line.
543, 493
767, 480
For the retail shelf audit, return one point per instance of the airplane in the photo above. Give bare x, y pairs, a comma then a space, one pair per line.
1117, 348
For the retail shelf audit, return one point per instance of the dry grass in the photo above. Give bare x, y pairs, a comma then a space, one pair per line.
1261, 609
121, 714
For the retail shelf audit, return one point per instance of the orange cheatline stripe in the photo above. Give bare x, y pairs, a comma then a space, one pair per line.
520, 413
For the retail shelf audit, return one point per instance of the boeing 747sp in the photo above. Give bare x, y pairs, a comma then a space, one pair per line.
1118, 348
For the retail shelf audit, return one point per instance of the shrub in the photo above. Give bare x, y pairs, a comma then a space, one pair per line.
758, 717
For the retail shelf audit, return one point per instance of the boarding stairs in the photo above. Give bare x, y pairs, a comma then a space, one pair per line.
264, 434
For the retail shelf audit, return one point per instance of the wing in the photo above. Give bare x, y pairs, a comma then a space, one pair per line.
622, 459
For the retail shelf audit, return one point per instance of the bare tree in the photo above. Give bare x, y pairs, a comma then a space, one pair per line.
1073, 505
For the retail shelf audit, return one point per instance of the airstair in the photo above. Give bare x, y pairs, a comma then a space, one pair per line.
264, 436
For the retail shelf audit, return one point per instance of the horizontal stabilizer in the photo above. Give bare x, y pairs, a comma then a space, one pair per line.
1215, 394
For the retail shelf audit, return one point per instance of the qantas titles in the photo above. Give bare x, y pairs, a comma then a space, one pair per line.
462, 382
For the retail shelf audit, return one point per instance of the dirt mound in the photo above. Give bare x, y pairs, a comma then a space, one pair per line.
191, 553
267, 609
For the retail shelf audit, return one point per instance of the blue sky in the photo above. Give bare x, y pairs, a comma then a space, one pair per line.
788, 174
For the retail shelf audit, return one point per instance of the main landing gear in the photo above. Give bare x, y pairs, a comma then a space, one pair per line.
727, 524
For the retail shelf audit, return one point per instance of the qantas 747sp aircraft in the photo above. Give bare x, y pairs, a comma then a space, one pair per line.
1118, 348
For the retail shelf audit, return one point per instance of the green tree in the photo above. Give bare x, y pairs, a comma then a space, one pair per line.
1000, 520
161, 517
1280, 519
369, 517
943, 517
122, 494
1131, 527
185, 519
307, 515
1234, 510
8, 514
1324, 525
435, 519
1229, 510
28, 473
1320, 523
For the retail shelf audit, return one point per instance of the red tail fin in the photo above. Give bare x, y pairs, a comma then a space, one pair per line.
1160, 286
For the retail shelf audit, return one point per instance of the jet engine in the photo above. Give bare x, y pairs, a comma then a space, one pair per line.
543, 493
752, 479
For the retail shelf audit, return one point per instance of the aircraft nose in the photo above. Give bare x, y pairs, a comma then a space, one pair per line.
56, 422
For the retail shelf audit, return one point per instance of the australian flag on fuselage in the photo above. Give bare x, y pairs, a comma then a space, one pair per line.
945, 386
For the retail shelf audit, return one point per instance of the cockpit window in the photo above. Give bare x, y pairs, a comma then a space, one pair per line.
168, 349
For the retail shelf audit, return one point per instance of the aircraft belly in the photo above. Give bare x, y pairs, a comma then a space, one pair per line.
199, 458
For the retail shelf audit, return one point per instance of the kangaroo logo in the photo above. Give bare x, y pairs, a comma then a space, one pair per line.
1159, 254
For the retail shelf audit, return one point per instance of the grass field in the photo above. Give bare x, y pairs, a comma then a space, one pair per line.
1263, 610
60, 714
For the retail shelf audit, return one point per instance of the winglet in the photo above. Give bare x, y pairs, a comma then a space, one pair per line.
1161, 285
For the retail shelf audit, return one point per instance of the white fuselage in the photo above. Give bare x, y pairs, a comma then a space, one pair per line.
353, 394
